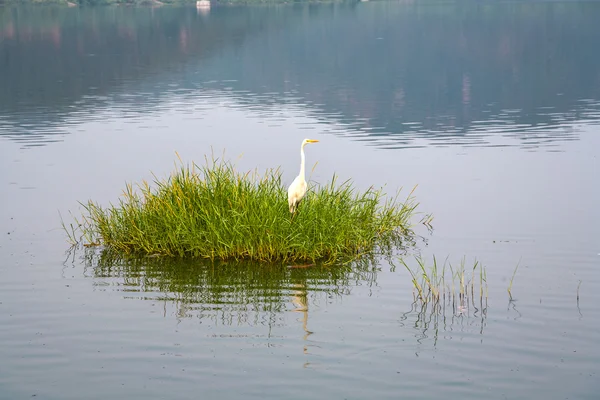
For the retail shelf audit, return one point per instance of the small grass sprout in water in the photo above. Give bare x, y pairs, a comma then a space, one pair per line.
510, 283
464, 288
213, 212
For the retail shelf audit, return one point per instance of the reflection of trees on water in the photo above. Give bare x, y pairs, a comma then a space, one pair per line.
388, 73
66, 65
234, 293
448, 72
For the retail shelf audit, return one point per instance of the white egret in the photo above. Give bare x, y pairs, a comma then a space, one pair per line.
297, 189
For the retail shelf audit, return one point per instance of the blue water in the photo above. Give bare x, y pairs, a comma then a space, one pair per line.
491, 109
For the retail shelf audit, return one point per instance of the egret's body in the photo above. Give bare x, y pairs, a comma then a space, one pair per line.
297, 189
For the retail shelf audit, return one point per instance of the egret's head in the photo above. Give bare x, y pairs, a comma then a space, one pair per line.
306, 141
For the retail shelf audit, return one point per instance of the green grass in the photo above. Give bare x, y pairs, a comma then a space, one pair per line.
213, 212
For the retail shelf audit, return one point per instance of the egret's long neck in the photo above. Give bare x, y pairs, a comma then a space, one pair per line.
302, 161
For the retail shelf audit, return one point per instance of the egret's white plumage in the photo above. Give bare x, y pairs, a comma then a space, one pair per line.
297, 189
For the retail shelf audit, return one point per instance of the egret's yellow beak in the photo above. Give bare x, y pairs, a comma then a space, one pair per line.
312, 141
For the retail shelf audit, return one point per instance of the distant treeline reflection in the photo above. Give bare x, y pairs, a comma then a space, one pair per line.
136, 2
386, 72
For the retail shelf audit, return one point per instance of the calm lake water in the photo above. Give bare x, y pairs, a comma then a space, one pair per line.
492, 109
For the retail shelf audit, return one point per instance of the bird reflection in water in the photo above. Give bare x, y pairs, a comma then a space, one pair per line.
300, 302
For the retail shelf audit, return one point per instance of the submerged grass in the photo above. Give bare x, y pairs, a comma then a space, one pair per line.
211, 211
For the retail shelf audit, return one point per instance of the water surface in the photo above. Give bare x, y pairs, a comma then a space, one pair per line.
492, 109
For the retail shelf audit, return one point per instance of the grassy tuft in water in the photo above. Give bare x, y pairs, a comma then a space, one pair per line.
461, 290
213, 212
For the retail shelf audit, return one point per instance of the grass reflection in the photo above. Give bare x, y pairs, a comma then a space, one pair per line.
432, 322
232, 293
